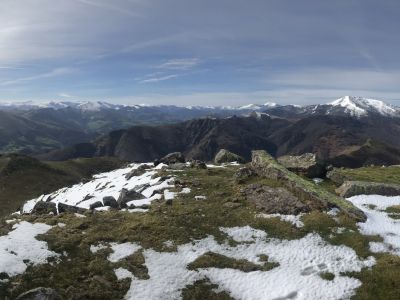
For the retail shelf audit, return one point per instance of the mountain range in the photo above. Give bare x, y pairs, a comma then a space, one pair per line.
347, 131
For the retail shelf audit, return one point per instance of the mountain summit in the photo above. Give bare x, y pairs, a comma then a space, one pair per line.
359, 106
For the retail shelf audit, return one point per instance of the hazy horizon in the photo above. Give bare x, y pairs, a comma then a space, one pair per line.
210, 53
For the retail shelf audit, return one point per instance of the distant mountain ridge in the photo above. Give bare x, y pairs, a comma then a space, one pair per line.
336, 140
33, 128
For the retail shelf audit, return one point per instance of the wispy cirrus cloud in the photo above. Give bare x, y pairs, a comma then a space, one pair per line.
158, 78
52, 73
180, 64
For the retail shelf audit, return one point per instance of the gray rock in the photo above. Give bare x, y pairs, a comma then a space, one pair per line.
273, 200
243, 174
110, 201
309, 193
133, 173
305, 165
172, 158
96, 205
225, 156
65, 208
354, 188
42, 207
40, 293
336, 176
125, 196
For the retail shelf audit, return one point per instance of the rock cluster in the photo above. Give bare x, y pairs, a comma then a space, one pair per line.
305, 165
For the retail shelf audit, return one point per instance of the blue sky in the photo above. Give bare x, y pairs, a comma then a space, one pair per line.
185, 52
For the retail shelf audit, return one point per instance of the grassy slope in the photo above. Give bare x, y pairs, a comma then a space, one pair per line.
23, 178
92, 277
375, 174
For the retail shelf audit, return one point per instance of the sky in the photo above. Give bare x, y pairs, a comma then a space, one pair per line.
208, 52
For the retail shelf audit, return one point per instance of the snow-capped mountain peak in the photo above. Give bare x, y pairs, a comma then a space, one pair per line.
359, 106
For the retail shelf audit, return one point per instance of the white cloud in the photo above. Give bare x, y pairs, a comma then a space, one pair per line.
65, 95
157, 79
180, 64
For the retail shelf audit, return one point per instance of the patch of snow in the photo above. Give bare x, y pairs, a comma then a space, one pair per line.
318, 180
244, 234
200, 197
168, 244
185, 190
19, 248
12, 221
61, 225
378, 222
377, 247
102, 208
82, 195
295, 220
79, 215
333, 212
120, 251
168, 195
300, 262
96, 248
122, 273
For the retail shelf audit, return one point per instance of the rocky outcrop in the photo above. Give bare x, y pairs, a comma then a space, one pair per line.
305, 165
172, 158
273, 200
309, 193
40, 293
353, 188
43, 207
243, 174
225, 156
62, 207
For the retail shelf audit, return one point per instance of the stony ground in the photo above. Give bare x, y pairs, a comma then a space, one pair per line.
203, 238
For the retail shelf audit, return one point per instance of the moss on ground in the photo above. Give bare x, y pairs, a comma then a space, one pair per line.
215, 260
204, 289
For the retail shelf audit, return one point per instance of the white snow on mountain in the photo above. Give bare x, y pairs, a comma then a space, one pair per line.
358, 106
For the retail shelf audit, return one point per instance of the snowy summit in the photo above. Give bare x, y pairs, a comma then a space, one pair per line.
359, 106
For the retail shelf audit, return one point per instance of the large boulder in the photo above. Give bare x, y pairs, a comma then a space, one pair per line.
225, 156
305, 165
273, 200
312, 195
125, 196
66, 208
110, 201
172, 158
43, 207
96, 204
40, 293
354, 188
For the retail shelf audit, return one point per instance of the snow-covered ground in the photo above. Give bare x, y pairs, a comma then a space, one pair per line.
109, 184
378, 222
20, 248
297, 276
